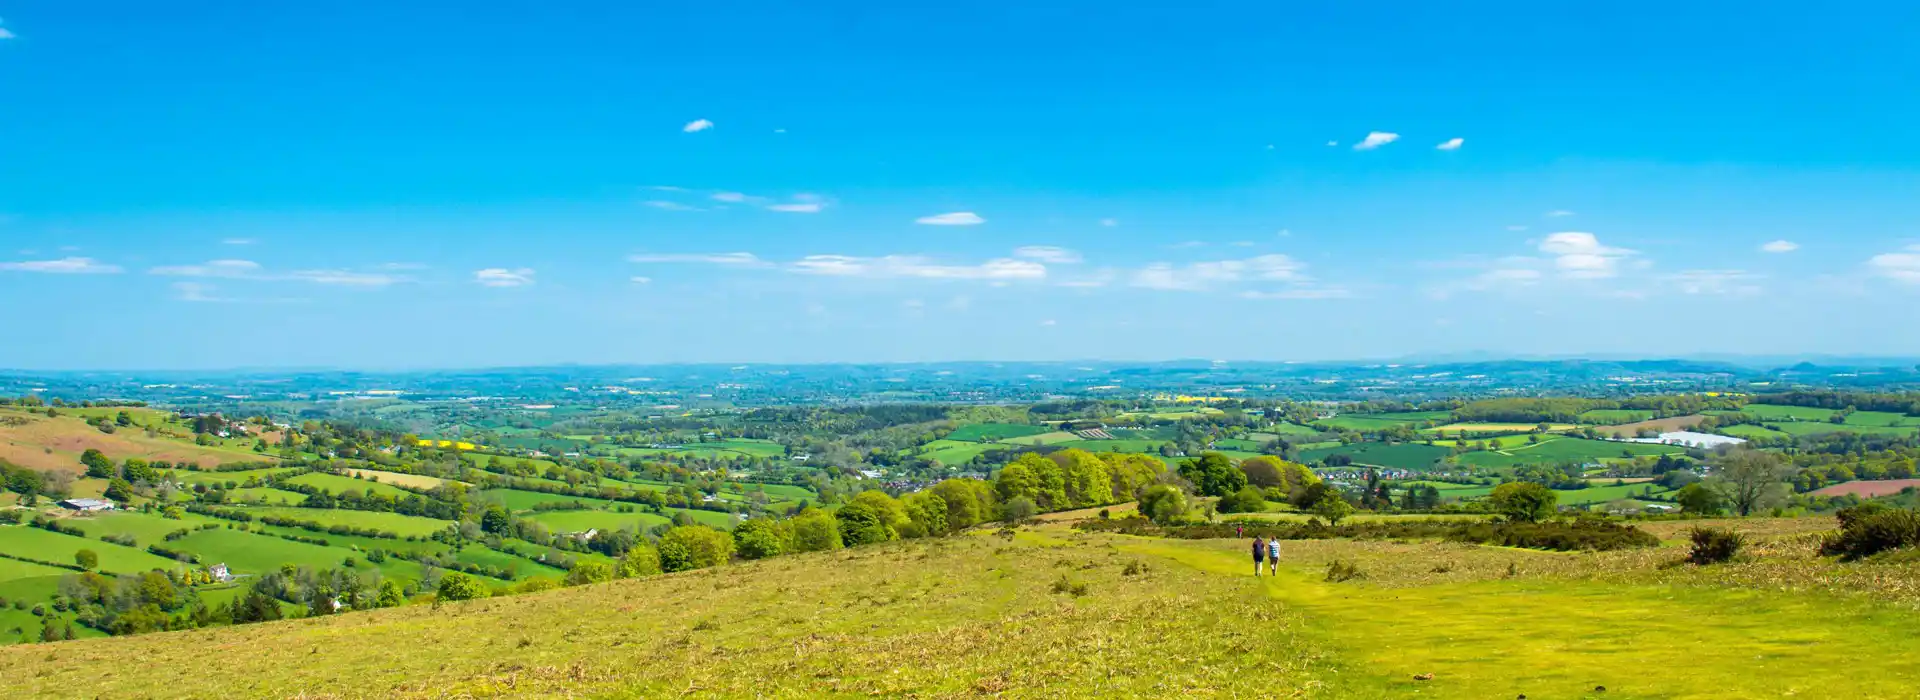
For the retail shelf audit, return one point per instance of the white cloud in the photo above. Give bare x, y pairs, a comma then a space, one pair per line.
4, 34
1049, 322
732, 259
960, 303
212, 268
1780, 247
1452, 144
640, 280
1300, 293
502, 277
240, 241
1899, 267
958, 218
1557, 213
802, 204
697, 125
1376, 139
63, 266
345, 278
1203, 275
1714, 282
669, 206
194, 291
779, 131
1000, 269
729, 197
1048, 254
1333, 143
666, 188
1580, 255
1109, 223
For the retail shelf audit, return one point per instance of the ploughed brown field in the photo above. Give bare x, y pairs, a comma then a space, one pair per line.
1869, 489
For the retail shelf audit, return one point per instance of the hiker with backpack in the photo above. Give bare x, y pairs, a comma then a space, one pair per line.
1259, 554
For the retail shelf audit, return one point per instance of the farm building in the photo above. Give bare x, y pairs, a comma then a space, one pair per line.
87, 505
220, 573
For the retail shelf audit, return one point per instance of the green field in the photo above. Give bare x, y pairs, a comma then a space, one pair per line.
956, 452
146, 528
1770, 412
246, 552
237, 478
1614, 416
520, 566
1442, 486
1502, 441
403, 525
1565, 450
1751, 431
994, 432
516, 500
35, 543
1405, 455
1478, 428
266, 496
1055, 437
333, 483
1798, 428
1137, 446
1293, 432
564, 521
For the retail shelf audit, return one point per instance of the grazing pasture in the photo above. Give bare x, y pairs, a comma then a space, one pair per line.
1038, 439
44, 545
1566, 450
403, 525
1293, 432
55, 444
145, 528
1614, 416
265, 496
955, 452
334, 483
584, 520
1137, 446
994, 432
1405, 455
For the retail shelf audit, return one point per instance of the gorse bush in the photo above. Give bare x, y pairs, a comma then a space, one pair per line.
1714, 545
1871, 528
1341, 570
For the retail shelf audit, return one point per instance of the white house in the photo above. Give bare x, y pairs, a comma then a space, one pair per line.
220, 573
88, 505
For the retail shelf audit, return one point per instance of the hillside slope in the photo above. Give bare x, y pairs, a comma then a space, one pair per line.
36, 441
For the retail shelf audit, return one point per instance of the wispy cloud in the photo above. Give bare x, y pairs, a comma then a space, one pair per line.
1779, 247
250, 270
917, 266
1205, 275
1558, 213
1376, 139
1048, 254
729, 197
503, 277
194, 291
669, 206
4, 34
1580, 255
958, 218
1109, 223
1452, 144
697, 125
640, 280
733, 259
1714, 282
240, 241
212, 268
1302, 293
802, 203
63, 266
1902, 266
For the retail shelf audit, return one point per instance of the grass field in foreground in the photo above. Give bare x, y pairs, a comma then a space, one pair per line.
44, 545
982, 615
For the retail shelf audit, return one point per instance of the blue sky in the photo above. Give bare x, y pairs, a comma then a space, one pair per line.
435, 184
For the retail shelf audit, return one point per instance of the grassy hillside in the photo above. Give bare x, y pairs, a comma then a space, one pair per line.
1056, 613
33, 440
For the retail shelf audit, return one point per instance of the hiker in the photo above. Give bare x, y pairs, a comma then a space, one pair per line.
1273, 556
1259, 554
1239, 531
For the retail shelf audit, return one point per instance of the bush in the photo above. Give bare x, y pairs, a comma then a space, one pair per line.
1341, 571
1018, 509
1163, 504
586, 572
1246, 500
1714, 546
1066, 585
757, 539
1523, 501
694, 547
1870, 529
458, 586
